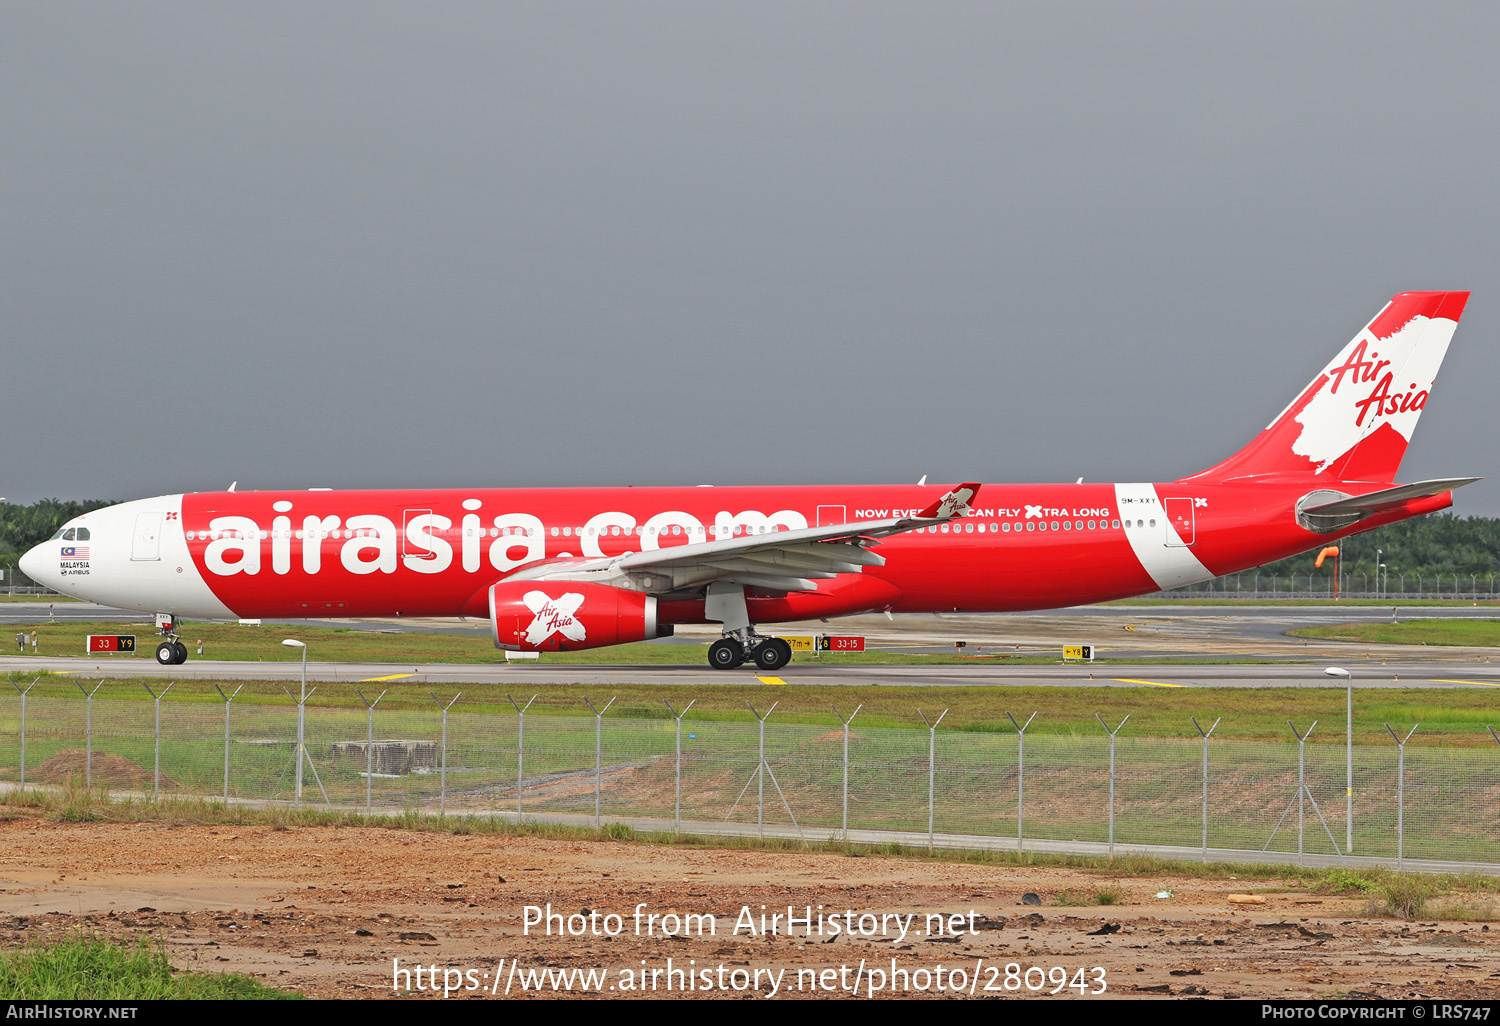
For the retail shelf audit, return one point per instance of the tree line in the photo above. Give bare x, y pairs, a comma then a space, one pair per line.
21, 527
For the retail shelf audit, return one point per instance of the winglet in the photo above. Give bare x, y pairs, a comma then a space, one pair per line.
953, 504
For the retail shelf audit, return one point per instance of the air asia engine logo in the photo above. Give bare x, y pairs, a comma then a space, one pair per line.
553, 616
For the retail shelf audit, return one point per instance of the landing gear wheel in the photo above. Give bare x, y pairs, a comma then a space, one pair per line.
166, 653
772, 654
181, 652
725, 654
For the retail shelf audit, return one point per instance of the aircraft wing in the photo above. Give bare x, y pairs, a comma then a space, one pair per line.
1372, 502
775, 561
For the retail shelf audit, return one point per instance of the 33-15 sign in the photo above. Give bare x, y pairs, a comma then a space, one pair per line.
835, 643
111, 643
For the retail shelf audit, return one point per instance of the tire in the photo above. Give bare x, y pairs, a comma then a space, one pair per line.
166, 654
725, 654
772, 654
182, 652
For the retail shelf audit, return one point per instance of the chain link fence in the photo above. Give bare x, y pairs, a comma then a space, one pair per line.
1437, 799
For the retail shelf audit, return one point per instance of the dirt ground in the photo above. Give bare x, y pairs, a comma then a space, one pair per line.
341, 912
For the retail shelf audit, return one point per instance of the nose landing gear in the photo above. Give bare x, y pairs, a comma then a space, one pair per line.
171, 651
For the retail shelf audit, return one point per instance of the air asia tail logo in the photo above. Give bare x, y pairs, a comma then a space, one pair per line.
1374, 381
1365, 371
553, 616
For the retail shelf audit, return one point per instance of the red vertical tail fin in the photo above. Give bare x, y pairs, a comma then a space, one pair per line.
1354, 421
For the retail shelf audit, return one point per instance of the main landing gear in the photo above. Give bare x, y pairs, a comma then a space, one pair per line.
724, 601
770, 654
171, 651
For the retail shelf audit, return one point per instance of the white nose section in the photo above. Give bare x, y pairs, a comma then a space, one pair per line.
35, 565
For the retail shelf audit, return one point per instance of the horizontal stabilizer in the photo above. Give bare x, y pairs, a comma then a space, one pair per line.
1372, 502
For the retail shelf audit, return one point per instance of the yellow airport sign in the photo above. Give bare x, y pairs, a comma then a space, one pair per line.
802, 643
1078, 652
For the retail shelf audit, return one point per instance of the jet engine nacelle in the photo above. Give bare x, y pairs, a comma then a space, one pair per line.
563, 616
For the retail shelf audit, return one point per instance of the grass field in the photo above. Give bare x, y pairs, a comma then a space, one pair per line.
1468, 633
1448, 716
95, 969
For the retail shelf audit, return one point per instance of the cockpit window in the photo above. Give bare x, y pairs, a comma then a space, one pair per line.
83, 534
68, 535
58, 535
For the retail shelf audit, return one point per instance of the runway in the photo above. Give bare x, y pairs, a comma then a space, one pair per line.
1147, 636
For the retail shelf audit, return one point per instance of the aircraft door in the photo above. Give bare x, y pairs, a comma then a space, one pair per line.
1181, 523
146, 542
407, 548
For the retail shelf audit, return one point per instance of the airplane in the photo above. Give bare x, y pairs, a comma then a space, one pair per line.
576, 568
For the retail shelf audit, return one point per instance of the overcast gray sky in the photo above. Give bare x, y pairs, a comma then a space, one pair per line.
461, 244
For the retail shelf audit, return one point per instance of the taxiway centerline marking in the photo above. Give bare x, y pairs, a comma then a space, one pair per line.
1153, 683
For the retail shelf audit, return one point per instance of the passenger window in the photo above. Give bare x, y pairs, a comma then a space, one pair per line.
1067, 525
1115, 524
1031, 525
1153, 521
969, 528
1078, 524
1005, 527
1054, 525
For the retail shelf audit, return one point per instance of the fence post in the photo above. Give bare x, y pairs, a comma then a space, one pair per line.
931, 767
520, 746
598, 750
1401, 789
846, 723
1301, 779
1303, 792
23, 695
677, 778
1205, 735
760, 811
88, 734
443, 754
156, 761
227, 700
369, 742
763, 770
1111, 734
302, 753
1020, 778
